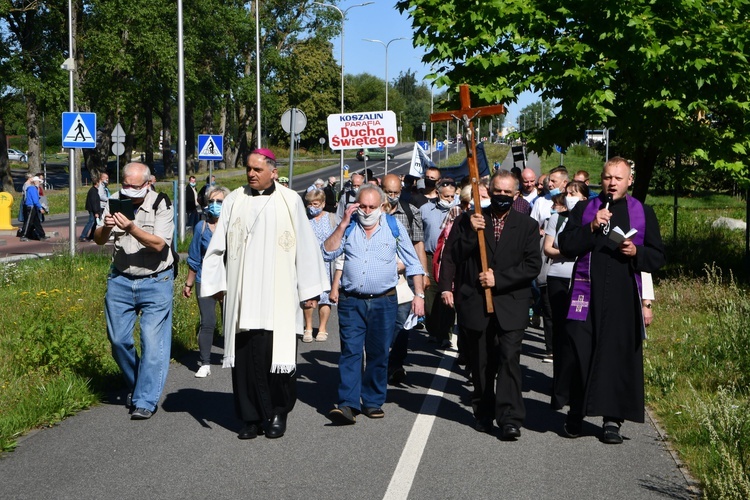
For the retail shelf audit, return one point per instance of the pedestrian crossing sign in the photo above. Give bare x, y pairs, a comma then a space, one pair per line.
210, 147
79, 130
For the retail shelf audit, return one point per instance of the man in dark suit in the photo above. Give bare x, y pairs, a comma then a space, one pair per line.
494, 340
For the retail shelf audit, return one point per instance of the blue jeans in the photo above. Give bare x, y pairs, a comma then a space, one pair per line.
152, 298
365, 324
88, 229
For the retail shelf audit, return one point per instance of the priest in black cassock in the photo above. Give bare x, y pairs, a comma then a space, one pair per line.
599, 371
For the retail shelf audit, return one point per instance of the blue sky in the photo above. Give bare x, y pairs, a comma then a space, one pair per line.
381, 21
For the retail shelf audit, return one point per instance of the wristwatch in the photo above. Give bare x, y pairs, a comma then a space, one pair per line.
420, 295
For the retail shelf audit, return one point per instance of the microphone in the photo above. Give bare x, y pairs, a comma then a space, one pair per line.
606, 206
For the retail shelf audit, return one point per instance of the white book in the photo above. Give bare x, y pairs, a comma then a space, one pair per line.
618, 236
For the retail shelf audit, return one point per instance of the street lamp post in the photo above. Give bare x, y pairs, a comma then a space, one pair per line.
424, 129
384, 44
343, 19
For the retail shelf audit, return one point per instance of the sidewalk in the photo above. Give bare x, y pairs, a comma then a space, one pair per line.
57, 228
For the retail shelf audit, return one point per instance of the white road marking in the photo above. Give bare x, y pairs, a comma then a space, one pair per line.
403, 476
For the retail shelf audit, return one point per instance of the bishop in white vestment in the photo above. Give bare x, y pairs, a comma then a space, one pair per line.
264, 259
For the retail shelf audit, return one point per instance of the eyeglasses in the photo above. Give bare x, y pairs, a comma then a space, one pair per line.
447, 182
220, 202
134, 186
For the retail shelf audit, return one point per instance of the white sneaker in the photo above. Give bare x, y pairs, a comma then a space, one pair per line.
203, 372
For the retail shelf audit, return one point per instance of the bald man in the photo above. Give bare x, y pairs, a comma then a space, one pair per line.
528, 185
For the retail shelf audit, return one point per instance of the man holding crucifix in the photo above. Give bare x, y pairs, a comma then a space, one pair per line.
494, 293
494, 339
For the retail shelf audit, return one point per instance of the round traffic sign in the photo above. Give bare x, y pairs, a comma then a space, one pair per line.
118, 148
322, 140
300, 120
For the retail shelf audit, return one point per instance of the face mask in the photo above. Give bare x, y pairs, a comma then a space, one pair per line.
368, 220
192, 184
135, 193
554, 192
314, 211
355, 189
429, 184
214, 209
571, 201
105, 182
552, 211
445, 204
393, 201
501, 202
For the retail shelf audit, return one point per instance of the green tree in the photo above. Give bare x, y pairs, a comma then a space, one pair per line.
31, 57
668, 77
535, 115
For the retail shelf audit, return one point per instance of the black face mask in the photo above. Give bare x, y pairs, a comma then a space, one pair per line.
501, 203
429, 184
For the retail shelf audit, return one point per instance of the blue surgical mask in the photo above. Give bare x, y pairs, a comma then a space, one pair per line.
314, 211
192, 184
214, 209
554, 192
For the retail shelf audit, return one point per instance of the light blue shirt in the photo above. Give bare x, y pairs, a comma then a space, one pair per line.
370, 263
433, 216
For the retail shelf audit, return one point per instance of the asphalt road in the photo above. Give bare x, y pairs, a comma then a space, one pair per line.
424, 448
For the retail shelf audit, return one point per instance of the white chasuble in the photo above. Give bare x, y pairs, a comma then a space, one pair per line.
264, 254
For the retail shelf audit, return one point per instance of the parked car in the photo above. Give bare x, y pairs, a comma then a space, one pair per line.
16, 155
373, 154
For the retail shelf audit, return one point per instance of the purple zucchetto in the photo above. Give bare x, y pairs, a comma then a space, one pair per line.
264, 152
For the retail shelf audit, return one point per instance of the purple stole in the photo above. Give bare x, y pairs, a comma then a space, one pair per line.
580, 296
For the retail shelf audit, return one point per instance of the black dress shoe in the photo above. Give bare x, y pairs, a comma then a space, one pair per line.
611, 435
250, 431
276, 427
511, 432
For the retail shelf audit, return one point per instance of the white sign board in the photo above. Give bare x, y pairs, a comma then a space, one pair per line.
362, 130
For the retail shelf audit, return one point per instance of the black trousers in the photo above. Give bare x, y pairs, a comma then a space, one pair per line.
495, 359
258, 393
32, 224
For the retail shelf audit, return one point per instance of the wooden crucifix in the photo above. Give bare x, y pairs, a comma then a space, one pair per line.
466, 114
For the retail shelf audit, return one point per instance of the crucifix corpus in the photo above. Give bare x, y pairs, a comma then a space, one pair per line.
466, 114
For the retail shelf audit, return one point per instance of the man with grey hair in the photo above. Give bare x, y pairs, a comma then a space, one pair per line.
318, 184
140, 282
370, 241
